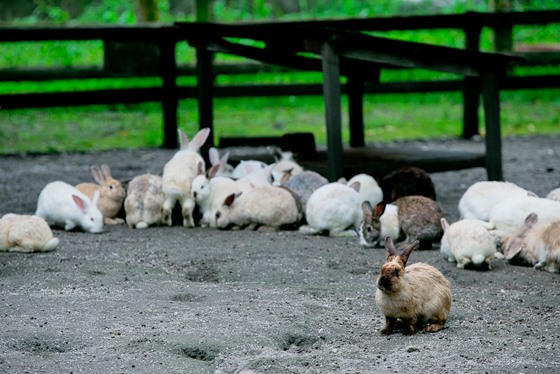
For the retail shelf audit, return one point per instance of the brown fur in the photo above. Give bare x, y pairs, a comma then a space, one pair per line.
407, 181
417, 297
111, 193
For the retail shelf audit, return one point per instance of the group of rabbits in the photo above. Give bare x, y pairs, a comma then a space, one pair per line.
497, 217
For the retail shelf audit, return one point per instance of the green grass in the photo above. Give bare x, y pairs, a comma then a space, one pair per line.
387, 117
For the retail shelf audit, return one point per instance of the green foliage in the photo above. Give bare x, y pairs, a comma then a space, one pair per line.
387, 117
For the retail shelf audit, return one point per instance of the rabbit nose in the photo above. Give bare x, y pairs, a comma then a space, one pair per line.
384, 284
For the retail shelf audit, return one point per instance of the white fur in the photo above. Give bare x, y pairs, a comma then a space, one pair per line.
270, 206
509, 214
210, 193
468, 241
285, 163
369, 189
479, 199
247, 167
259, 177
554, 194
23, 233
63, 205
334, 207
390, 223
178, 175
225, 169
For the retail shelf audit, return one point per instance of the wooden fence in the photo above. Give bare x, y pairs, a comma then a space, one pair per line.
157, 44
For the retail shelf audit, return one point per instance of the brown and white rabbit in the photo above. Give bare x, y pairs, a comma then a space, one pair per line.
23, 233
535, 244
407, 181
111, 193
409, 217
415, 297
144, 201
178, 175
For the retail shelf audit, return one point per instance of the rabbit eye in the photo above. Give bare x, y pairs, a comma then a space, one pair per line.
369, 228
111, 187
218, 215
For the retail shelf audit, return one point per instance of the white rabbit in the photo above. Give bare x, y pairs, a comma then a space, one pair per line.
143, 204
334, 208
178, 175
207, 192
304, 184
554, 194
23, 233
468, 241
257, 178
63, 205
269, 206
509, 214
224, 169
369, 189
535, 244
247, 167
284, 165
479, 199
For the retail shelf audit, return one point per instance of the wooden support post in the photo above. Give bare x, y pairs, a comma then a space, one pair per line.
169, 95
355, 90
471, 88
491, 99
205, 88
331, 94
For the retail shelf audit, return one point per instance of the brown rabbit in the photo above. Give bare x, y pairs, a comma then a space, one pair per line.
417, 296
111, 193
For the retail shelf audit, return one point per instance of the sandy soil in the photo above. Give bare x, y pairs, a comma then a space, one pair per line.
199, 300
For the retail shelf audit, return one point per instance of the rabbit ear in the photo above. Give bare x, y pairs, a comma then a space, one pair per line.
211, 173
390, 247
379, 210
95, 198
80, 203
530, 221
355, 186
405, 253
224, 160
231, 198
199, 139
367, 209
106, 170
214, 156
513, 249
97, 174
184, 139
444, 224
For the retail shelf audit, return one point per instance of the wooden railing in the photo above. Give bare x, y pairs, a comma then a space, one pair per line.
161, 40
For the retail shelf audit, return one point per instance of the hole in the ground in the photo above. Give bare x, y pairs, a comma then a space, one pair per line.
201, 354
299, 342
187, 297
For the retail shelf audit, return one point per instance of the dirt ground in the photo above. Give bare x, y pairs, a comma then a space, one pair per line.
176, 300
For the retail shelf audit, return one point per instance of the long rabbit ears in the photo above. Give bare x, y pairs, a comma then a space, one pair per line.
197, 142
405, 253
